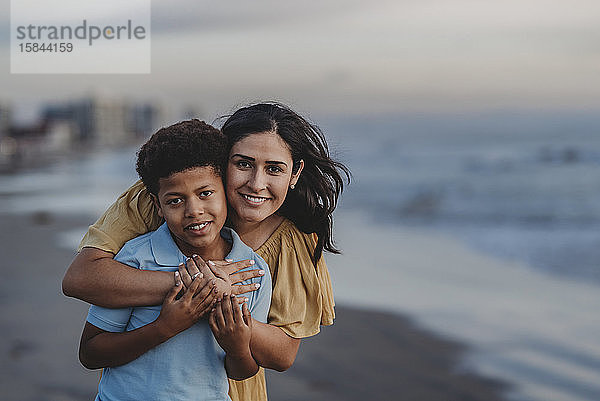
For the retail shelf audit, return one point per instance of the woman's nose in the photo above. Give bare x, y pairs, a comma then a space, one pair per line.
258, 181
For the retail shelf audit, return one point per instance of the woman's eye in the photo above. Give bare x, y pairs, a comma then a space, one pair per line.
205, 194
174, 201
274, 169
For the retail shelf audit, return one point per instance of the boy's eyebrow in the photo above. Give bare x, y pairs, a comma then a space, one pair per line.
253, 159
175, 193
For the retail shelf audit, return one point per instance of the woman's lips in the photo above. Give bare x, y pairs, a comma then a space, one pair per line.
254, 200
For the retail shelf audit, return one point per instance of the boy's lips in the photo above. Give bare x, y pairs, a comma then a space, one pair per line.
197, 227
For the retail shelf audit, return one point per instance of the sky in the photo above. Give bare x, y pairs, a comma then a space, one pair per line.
352, 57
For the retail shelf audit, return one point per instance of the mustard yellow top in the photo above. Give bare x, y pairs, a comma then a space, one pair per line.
302, 297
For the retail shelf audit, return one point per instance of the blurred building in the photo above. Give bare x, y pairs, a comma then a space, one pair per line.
144, 119
5, 119
105, 121
8, 145
110, 120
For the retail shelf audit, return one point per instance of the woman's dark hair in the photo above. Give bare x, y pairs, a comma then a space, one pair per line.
179, 147
311, 204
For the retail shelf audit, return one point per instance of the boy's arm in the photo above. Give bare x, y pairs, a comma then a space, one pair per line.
99, 348
104, 349
232, 329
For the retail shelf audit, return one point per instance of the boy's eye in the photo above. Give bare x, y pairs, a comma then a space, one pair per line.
174, 201
243, 164
205, 194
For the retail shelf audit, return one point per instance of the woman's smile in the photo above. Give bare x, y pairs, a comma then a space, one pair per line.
254, 200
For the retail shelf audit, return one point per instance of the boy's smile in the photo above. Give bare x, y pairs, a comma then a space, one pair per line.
194, 206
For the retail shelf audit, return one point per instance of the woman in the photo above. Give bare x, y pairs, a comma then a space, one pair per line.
282, 188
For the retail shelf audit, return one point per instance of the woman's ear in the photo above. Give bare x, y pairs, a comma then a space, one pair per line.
296, 175
157, 205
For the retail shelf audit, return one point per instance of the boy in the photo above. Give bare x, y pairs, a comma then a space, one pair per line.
164, 353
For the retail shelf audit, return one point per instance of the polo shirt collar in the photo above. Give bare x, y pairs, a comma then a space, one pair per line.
166, 252
164, 248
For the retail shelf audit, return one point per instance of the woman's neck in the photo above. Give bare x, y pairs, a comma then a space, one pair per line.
254, 234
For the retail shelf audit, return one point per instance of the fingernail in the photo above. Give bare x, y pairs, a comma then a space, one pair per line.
177, 284
228, 260
210, 262
261, 272
232, 296
181, 264
176, 274
257, 285
246, 300
225, 294
194, 256
251, 262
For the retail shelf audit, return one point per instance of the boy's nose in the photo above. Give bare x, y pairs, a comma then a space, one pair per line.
194, 208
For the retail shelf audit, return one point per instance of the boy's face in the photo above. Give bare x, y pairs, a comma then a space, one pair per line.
194, 206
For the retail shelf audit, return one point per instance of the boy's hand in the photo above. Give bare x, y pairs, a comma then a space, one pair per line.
177, 315
231, 327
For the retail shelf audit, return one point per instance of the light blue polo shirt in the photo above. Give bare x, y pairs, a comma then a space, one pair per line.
189, 366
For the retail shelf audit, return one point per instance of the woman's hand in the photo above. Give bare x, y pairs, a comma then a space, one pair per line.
226, 272
232, 269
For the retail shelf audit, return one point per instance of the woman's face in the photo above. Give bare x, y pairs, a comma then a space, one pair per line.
259, 173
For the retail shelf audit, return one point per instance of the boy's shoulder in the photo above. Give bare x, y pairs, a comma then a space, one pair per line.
136, 244
239, 250
151, 250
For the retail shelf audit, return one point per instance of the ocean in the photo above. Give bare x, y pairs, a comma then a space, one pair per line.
520, 187
509, 200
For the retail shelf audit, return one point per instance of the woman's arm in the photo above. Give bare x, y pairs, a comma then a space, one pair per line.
232, 328
95, 277
272, 348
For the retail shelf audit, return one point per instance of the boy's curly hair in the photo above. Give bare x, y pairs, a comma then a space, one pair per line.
179, 147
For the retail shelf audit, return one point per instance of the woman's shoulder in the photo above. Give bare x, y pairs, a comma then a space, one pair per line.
287, 236
289, 253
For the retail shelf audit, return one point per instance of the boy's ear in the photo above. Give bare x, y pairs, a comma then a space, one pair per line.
157, 205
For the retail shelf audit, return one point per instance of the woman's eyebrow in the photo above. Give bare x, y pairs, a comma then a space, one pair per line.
252, 159
275, 162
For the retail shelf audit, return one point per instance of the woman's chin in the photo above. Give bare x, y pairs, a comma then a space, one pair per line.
256, 217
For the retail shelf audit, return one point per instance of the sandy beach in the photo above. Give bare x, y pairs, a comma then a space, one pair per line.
364, 355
